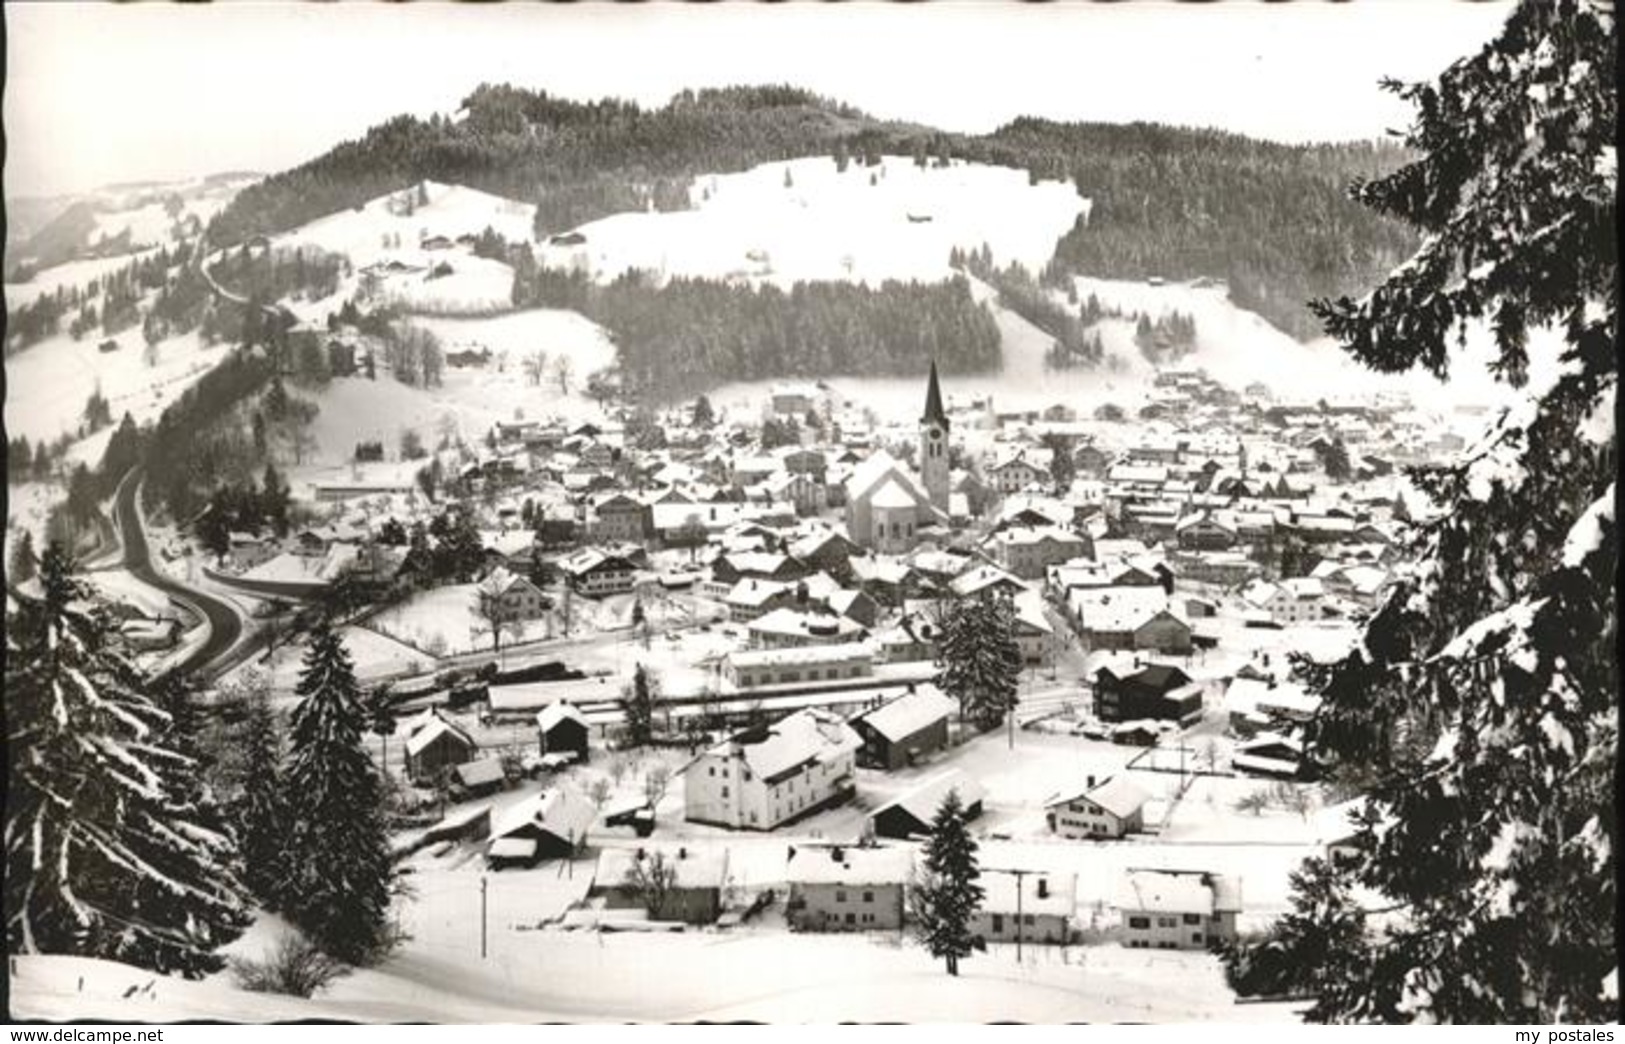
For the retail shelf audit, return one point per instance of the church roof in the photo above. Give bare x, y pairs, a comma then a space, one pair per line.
934, 412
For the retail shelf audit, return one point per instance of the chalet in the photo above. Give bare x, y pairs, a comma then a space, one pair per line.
434, 745
1128, 618
1156, 691
914, 813
1027, 552
1103, 810
824, 549
756, 668
1298, 600
973, 582
847, 887
1203, 532
595, 574
766, 776
549, 825
1177, 909
1270, 754
693, 895
1014, 473
1032, 906
751, 599
903, 731
617, 518
511, 598
562, 729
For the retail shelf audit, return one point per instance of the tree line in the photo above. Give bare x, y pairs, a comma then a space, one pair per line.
1274, 220
688, 334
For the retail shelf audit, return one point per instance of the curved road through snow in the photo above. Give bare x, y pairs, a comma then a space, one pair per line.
225, 625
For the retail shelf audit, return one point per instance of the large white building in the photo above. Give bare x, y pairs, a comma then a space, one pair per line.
766, 776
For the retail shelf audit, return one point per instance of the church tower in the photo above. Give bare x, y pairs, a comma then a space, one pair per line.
934, 445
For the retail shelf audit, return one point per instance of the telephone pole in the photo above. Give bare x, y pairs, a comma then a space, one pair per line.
483, 933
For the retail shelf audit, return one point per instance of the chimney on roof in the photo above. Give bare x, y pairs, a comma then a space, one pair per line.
1043, 888
837, 854
682, 852
1090, 780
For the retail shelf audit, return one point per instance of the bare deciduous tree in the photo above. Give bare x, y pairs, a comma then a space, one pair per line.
652, 878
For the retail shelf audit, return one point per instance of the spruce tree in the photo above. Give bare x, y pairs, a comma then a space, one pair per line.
638, 706
258, 811
109, 853
945, 895
978, 659
1481, 703
337, 876
24, 563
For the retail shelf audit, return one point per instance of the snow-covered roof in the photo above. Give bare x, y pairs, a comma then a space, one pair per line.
785, 621
849, 865
479, 773
840, 652
923, 801
1054, 895
420, 740
696, 867
1116, 609
559, 811
807, 736
1178, 891
1119, 795
752, 590
556, 713
910, 713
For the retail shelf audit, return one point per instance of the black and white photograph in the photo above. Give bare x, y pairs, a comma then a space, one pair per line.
952, 513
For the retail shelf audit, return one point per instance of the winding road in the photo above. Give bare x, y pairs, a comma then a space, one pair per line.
224, 623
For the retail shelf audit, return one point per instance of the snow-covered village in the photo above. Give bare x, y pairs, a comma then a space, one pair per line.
742, 557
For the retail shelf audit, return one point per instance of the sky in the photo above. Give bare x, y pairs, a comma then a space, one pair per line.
99, 93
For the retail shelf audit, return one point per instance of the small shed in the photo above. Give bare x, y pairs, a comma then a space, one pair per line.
913, 813
548, 826
478, 778
561, 728
434, 746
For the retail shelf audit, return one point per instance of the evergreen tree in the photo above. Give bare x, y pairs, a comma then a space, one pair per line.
258, 809
978, 660
638, 706
105, 854
1482, 700
703, 416
1336, 461
337, 874
945, 895
24, 562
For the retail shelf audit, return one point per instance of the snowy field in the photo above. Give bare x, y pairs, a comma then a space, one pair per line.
532, 976
49, 383
64, 276
354, 409
831, 225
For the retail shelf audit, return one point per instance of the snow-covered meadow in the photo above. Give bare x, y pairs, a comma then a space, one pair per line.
803, 219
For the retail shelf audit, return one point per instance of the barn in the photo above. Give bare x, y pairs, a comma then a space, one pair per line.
561, 729
912, 814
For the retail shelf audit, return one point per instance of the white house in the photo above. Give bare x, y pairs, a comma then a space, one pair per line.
1177, 909
763, 777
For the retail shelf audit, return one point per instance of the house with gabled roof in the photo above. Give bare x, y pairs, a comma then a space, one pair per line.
914, 812
847, 888
905, 730
1177, 909
1108, 809
766, 776
435, 745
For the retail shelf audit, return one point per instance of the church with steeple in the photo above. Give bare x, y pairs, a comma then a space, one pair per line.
888, 507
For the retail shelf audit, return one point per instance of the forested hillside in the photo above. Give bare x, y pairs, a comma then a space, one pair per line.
1274, 220
688, 334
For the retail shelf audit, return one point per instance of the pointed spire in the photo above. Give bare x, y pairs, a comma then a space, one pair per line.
933, 401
